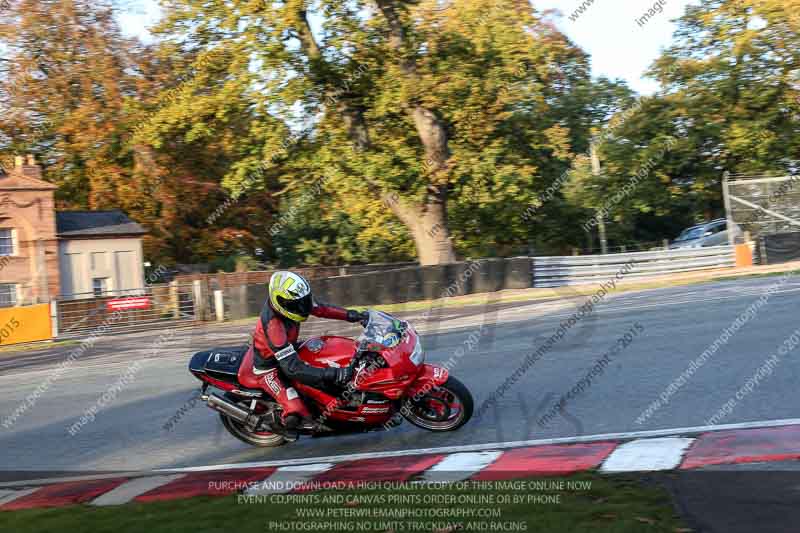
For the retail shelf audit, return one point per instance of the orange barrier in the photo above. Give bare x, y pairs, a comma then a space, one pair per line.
25, 324
744, 255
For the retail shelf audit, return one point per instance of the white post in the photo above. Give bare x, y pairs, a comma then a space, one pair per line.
174, 299
219, 305
54, 317
200, 303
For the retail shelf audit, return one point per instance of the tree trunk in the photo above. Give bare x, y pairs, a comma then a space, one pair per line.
430, 231
431, 236
427, 222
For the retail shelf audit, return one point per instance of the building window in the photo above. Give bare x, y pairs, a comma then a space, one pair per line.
99, 261
8, 295
99, 286
6, 242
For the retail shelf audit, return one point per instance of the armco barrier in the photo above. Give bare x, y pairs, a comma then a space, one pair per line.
574, 270
416, 283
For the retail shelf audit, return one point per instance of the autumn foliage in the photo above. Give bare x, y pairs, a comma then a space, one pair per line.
436, 131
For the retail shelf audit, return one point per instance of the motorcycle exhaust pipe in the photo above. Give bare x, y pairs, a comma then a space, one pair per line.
228, 408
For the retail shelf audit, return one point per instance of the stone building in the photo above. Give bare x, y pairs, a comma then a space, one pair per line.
100, 254
29, 271
45, 254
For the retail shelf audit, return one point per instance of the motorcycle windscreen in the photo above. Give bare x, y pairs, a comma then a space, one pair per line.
383, 331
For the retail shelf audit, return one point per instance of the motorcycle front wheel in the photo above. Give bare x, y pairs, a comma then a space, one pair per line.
444, 408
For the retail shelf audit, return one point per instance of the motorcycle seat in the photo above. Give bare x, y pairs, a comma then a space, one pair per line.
220, 363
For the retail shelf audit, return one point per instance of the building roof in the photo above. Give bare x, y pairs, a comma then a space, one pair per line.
96, 224
17, 180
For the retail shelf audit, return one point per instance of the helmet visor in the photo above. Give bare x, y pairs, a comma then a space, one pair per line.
300, 306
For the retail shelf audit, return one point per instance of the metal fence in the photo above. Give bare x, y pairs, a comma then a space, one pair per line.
762, 205
779, 248
189, 302
573, 270
136, 310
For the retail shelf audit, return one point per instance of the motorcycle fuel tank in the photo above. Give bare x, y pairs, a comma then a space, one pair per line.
328, 351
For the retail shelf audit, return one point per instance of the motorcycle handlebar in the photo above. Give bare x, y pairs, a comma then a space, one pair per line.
361, 348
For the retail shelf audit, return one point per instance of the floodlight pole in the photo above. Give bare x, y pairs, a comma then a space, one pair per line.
726, 197
601, 223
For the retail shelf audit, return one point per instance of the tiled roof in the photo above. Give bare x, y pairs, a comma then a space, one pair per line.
96, 223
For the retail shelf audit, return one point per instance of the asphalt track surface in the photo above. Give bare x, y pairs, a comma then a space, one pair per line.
674, 326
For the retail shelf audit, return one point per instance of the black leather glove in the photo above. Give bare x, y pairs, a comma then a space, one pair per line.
358, 316
343, 376
353, 315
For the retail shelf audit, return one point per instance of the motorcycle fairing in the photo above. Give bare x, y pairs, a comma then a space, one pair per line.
429, 376
338, 409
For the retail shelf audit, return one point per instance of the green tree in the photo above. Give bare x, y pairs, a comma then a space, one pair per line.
65, 72
194, 123
79, 96
449, 118
729, 99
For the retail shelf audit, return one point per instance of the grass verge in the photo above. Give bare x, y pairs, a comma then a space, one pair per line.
34, 346
580, 503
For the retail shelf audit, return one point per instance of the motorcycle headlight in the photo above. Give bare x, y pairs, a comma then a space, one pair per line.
418, 355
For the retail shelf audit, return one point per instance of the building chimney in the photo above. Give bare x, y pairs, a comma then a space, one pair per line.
31, 169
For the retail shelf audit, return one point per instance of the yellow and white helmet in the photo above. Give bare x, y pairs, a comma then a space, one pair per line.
290, 295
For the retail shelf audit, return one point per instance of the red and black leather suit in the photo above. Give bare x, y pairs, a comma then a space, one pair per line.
274, 352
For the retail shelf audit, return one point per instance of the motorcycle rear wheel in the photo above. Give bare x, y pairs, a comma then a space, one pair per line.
261, 439
444, 408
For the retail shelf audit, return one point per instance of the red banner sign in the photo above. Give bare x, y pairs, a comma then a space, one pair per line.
123, 304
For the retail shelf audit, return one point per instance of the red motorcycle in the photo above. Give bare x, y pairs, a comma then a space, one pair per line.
391, 382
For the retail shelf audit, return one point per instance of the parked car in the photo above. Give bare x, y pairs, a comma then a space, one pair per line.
714, 233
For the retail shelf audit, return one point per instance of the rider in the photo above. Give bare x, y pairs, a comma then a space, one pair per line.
275, 340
